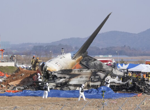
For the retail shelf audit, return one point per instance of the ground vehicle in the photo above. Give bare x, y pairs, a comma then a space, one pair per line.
147, 62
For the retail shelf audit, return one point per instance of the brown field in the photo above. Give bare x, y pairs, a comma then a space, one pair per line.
38, 103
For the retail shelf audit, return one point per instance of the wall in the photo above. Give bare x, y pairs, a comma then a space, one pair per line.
7, 63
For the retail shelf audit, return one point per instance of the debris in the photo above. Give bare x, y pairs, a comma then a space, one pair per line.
3, 85
13, 91
19, 79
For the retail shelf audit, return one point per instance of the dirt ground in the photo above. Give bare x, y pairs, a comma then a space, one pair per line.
38, 103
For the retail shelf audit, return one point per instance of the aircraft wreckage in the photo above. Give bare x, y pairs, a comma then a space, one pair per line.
69, 71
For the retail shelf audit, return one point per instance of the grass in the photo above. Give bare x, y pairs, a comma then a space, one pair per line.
8, 69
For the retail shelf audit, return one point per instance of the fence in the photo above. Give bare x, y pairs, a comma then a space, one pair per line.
132, 103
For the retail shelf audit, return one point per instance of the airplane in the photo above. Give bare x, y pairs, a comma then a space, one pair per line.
69, 71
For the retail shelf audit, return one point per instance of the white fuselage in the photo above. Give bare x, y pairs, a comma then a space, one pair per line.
61, 62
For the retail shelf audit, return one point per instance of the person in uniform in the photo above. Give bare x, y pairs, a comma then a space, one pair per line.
46, 90
32, 63
107, 83
149, 77
81, 92
62, 51
129, 74
144, 76
36, 63
134, 75
39, 78
139, 76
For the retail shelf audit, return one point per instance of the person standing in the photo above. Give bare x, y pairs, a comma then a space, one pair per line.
114, 65
36, 63
39, 78
107, 83
81, 92
32, 62
46, 90
62, 51
149, 77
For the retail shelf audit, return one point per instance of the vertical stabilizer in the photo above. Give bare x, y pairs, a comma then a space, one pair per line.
86, 45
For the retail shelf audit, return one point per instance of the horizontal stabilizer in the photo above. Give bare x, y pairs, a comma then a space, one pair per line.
86, 45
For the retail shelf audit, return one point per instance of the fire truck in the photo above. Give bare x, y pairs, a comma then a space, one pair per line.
147, 62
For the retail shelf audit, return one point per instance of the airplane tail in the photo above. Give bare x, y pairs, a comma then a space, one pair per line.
86, 45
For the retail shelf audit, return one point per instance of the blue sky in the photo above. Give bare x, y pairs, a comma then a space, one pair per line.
45, 21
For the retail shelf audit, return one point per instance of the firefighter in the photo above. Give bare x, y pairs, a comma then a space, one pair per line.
134, 75
81, 91
144, 76
149, 77
32, 63
36, 63
129, 74
139, 76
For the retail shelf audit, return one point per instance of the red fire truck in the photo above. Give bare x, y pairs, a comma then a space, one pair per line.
147, 62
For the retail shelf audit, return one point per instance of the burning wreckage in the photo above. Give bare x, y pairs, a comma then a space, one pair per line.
69, 71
